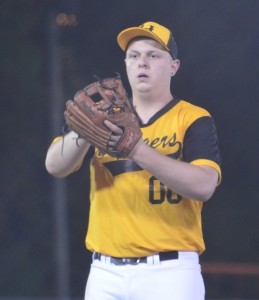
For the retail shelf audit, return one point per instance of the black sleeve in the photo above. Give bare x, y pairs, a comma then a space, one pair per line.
201, 141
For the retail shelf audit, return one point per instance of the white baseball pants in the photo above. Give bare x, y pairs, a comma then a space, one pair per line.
177, 279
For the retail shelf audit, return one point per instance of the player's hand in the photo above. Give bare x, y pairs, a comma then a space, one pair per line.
116, 133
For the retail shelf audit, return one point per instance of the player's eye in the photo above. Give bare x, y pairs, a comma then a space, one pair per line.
132, 56
153, 55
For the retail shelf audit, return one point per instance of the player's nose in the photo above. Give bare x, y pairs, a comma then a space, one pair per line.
143, 61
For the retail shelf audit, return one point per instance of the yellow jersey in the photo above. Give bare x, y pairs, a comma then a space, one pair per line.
133, 214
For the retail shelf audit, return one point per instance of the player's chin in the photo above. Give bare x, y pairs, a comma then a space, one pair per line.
143, 87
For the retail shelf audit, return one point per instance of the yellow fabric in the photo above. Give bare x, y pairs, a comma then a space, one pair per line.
133, 214
149, 29
58, 138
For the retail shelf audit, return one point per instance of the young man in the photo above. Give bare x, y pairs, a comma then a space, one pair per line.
145, 228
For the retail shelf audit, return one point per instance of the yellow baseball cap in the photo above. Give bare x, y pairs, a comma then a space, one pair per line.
151, 30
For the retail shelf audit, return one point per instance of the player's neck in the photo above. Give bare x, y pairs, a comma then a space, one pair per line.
148, 105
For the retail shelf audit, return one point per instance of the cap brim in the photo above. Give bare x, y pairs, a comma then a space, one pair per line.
128, 34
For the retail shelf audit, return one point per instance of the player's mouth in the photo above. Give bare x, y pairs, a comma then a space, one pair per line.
142, 76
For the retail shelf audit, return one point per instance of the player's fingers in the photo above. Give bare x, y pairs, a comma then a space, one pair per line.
113, 140
115, 129
112, 144
116, 133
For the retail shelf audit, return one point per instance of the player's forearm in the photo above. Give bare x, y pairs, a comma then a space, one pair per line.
195, 182
64, 156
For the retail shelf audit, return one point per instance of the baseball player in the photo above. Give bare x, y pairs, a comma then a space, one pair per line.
145, 228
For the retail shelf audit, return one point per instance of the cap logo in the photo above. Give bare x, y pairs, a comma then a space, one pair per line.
150, 30
151, 27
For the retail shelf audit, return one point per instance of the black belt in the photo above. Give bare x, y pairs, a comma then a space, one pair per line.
137, 260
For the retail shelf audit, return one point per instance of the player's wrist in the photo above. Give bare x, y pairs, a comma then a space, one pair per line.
139, 148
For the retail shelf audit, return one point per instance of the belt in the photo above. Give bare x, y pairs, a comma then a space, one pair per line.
136, 260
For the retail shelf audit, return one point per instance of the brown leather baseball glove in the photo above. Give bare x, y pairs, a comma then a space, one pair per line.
104, 100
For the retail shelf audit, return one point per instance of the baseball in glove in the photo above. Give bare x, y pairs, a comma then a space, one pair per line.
104, 100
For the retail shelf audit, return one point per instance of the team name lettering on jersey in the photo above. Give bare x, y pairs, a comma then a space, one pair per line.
163, 142
118, 167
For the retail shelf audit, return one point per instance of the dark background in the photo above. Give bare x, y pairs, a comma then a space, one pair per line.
218, 44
